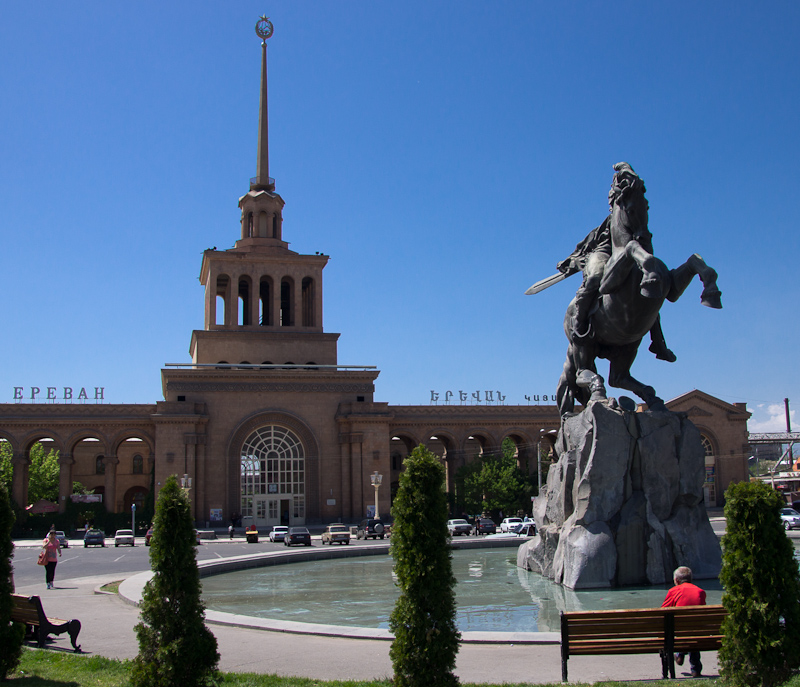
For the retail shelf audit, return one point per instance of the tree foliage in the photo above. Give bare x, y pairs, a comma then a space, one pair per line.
762, 590
11, 634
423, 621
175, 646
6, 465
43, 473
494, 482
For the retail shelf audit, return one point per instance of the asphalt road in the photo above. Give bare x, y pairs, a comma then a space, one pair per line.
77, 561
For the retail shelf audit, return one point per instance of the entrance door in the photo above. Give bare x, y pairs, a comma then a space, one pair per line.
286, 505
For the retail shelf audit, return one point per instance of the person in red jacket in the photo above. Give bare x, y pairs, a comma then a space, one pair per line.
684, 593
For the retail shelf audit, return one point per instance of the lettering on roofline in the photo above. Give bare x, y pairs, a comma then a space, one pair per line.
51, 393
488, 396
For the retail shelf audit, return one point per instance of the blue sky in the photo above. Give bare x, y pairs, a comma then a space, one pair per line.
445, 154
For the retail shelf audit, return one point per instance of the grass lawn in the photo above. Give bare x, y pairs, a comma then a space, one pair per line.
42, 668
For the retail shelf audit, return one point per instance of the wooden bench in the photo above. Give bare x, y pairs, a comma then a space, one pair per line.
28, 610
662, 631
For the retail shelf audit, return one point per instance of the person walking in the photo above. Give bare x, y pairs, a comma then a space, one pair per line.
684, 593
53, 548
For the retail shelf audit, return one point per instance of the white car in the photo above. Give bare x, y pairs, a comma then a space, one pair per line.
124, 537
458, 527
510, 524
278, 533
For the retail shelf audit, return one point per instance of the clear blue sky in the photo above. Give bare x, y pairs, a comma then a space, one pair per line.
445, 154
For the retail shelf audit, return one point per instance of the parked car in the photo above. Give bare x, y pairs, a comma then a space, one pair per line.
297, 535
278, 533
124, 537
94, 538
458, 527
485, 526
148, 536
62, 539
336, 533
790, 517
370, 528
509, 524
527, 529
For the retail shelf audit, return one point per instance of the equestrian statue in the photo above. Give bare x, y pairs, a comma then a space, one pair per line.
618, 303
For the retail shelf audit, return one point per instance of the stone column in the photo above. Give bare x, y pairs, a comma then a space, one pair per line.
110, 495
19, 480
65, 463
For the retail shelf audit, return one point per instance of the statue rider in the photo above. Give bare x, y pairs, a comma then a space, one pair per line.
591, 256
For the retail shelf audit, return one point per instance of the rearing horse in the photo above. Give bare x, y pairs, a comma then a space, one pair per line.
634, 286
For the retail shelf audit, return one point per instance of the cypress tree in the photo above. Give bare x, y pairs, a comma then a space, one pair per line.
762, 590
11, 634
423, 621
175, 646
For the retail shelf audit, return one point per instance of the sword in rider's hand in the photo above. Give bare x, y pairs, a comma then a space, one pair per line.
547, 283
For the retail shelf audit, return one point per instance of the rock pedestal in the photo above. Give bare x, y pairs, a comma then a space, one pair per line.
624, 503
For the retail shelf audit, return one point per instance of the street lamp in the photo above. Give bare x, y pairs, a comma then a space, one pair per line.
376, 478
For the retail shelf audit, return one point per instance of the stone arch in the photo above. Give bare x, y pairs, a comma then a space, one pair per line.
444, 444
244, 301
265, 291
304, 434
287, 306
135, 494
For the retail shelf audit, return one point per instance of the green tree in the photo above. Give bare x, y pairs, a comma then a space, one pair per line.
762, 590
11, 634
43, 474
6, 465
423, 621
175, 646
495, 483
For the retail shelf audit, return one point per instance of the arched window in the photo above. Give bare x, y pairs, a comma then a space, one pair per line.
273, 466
138, 465
308, 302
99, 465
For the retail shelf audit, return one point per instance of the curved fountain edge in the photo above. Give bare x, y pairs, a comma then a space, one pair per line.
131, 589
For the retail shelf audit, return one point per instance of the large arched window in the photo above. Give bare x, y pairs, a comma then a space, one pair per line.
138, 465
273, 475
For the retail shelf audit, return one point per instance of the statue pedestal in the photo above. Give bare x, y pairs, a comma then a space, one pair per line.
624, 504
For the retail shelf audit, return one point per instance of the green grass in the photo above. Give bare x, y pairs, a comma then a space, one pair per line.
42, 668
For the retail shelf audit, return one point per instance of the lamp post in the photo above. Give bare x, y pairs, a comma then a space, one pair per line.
376, 478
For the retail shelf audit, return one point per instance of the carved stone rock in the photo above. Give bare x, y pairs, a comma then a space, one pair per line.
624, 503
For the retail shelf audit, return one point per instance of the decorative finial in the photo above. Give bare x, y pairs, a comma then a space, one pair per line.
264, 28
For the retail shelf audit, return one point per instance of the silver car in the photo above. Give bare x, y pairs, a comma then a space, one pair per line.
790, 517
458, 527
124, 537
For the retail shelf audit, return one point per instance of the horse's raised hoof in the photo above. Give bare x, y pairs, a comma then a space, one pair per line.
662, 352
711, 297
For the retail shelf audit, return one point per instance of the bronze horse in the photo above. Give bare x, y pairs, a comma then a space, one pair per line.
634, 286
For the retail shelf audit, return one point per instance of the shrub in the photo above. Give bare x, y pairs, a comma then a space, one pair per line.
423, 621
762, 590
175, 646
11, 634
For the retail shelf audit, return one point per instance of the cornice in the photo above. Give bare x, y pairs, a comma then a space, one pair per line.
271, 387
11, 412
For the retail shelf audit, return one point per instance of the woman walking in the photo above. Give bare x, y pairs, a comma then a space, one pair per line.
53, 549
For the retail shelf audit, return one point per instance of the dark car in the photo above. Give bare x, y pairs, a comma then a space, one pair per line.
297, 535
94, 538
370, 528
485, 526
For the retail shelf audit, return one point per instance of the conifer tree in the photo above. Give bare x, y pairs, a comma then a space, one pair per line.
11, 634
762, 590
423, 621
175, 646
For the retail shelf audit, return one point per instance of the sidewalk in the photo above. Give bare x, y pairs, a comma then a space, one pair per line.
107, 630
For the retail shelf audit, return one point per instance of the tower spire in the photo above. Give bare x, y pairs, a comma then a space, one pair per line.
262, 180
